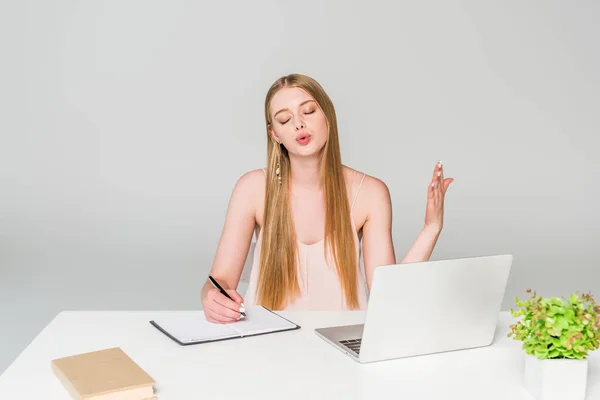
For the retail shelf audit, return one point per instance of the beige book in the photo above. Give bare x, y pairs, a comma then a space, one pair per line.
108, 374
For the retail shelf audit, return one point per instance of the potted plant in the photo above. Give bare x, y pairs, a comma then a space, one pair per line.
557, 335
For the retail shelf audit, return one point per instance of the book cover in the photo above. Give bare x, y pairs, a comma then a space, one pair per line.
102, 374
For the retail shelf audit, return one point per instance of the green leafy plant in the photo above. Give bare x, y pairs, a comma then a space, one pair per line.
556, 327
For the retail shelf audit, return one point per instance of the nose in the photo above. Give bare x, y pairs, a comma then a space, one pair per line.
299, 125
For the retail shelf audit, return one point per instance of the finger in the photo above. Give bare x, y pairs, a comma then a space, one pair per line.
439, 187
220, 314
230, 307
226, 312
430, 190
209, 318
447, 183
221, 299
236, 297
220, 320
438, 165
435, 181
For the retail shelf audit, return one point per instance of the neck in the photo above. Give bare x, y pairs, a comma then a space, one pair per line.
306, 172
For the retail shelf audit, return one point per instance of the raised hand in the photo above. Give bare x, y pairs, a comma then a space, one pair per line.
434, 215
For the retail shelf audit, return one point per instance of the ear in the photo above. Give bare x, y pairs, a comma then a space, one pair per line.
273, 134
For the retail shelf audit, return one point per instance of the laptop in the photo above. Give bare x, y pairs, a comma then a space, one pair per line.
426, 307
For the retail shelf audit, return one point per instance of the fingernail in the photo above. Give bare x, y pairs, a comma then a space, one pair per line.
439, 173
433, 184
242, 309
242, 304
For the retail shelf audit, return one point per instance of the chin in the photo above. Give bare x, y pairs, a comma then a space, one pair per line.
308, 151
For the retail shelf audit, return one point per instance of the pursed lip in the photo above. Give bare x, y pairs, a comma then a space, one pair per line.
301, 136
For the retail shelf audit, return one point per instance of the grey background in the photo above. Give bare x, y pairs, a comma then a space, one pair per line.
125, 124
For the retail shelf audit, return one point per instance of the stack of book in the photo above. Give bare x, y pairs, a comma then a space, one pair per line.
103, 375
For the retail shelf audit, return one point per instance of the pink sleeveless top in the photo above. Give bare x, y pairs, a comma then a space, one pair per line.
319, 283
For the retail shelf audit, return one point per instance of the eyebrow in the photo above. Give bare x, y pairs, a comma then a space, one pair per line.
285, 109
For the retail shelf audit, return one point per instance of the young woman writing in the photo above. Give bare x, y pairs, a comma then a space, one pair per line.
310, 213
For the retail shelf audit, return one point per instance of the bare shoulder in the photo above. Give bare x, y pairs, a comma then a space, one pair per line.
249, 190
371, 187
252, 180
377, 188
372, 196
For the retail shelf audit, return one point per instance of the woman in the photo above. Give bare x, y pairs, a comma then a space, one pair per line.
310, 213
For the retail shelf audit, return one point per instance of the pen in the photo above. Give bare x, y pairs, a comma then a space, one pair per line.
216, 284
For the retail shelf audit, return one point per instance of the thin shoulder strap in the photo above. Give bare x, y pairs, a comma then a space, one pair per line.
357, 192
265, 171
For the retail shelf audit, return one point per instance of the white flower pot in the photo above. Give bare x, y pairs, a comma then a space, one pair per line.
556, 379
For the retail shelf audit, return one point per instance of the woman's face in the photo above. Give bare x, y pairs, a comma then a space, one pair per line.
298, 122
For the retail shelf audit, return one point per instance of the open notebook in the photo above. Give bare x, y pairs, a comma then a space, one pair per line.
193, 328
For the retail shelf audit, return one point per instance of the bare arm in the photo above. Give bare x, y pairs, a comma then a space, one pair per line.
422, 247
434, 218
378, 247
236, 236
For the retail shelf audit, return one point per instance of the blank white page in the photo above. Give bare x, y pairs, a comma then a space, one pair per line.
194, 328
260, 320
191, 328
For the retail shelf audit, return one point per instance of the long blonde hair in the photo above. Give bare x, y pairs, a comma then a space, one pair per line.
278, 281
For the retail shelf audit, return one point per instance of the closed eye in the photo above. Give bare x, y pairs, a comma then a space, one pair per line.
287, 120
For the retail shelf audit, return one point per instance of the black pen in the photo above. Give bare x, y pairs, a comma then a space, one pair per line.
216, 284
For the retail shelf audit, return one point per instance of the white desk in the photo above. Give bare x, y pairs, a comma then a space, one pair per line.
290, 365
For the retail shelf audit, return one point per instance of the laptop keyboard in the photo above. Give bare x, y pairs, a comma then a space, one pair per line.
352, 344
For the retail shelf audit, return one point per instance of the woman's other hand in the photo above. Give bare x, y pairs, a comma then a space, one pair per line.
434, 215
